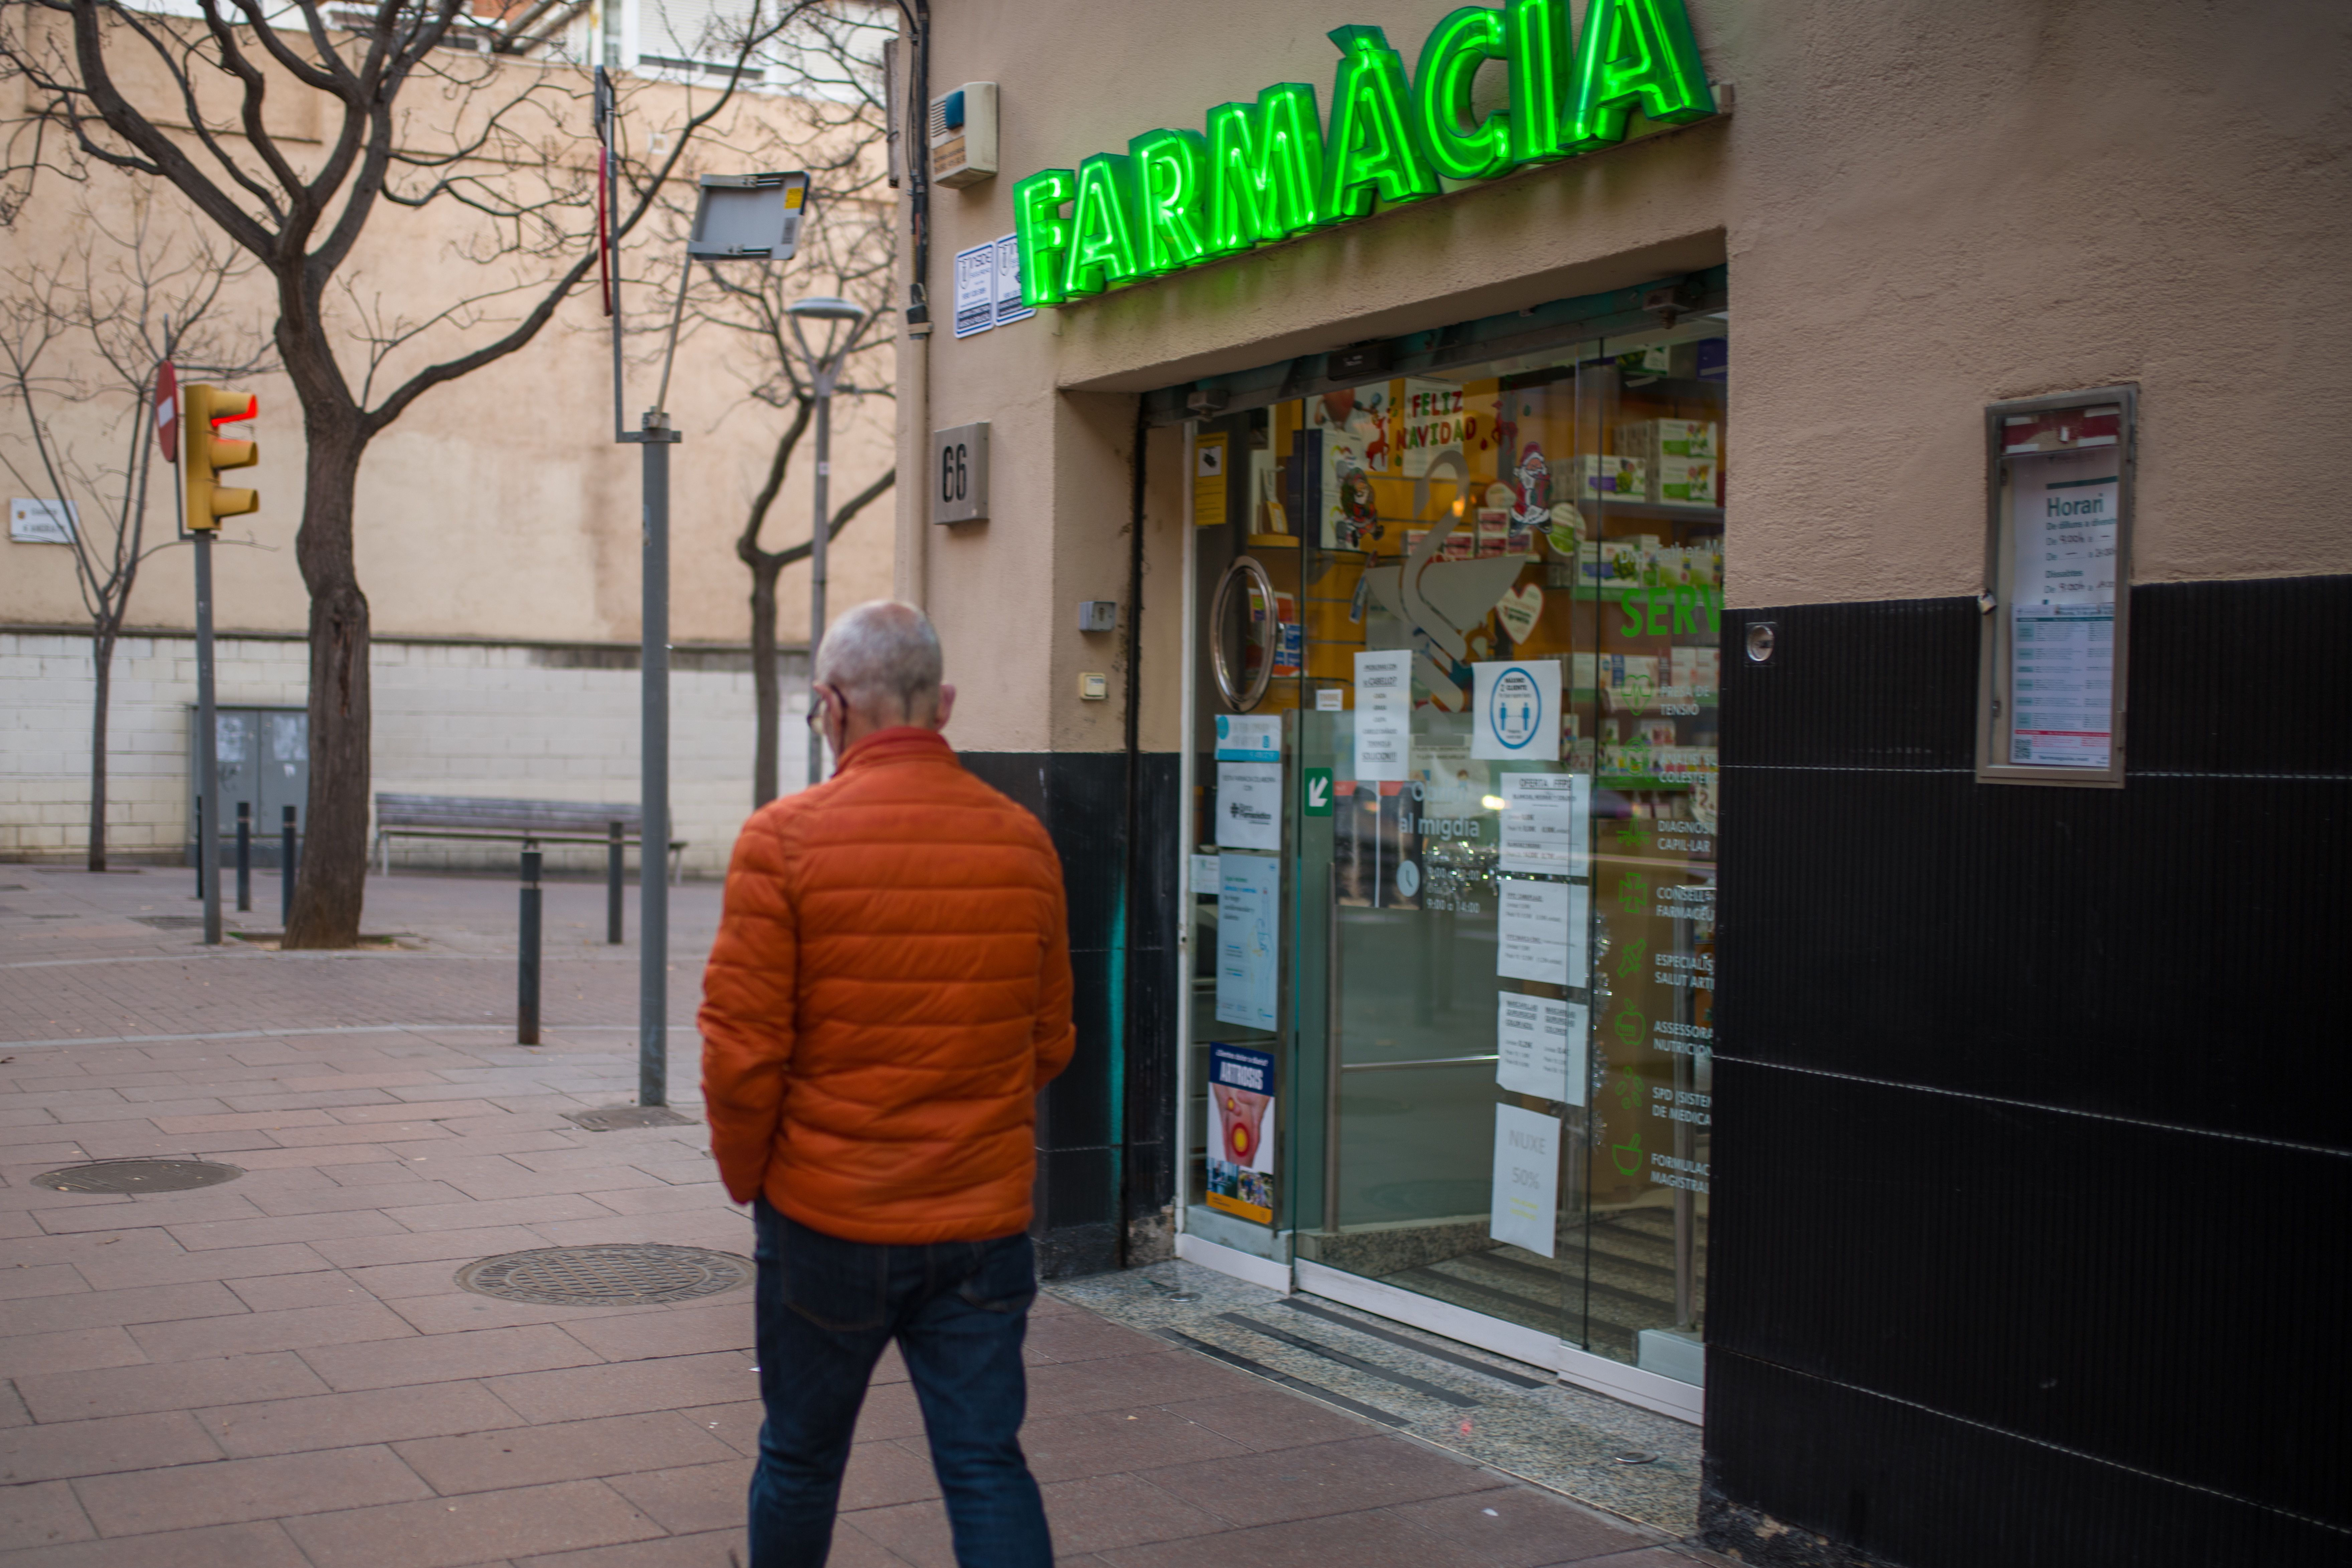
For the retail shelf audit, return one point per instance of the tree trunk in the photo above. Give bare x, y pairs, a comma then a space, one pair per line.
764, 686
331, 882
102, 653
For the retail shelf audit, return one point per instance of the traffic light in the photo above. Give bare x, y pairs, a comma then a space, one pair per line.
205, 411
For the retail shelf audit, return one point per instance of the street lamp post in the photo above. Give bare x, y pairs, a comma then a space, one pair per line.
825, 369
739, 217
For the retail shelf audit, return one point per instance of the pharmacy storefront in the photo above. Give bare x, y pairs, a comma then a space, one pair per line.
1620, 613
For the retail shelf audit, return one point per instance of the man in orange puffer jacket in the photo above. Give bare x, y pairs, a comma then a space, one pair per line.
889, 990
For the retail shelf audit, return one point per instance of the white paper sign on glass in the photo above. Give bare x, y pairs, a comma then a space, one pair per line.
1248, 906
1241, 739
1526, 1179
1249, 805
1539, 1046
1206, 876
1514, 709
2063, 607
1546, 818
1383, 715
1541, 927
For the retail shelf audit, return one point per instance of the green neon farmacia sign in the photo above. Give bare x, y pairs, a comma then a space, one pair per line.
1269, 170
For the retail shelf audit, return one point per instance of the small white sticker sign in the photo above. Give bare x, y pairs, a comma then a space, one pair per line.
1248, 971
1514, 709
1206, 876
975, 290
1539, 1046
1526, 1179
1249, 805
1384, 716
1241, 739
1545, 817
1008, 306
1542, 932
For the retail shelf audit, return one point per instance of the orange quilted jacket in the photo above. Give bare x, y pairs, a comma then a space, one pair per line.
889, 989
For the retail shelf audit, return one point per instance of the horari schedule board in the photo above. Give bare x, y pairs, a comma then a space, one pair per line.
2057, 599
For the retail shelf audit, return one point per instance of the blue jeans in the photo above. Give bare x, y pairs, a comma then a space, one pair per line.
958, 1310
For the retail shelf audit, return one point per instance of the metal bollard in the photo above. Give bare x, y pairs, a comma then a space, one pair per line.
244, 855
527, 990
613, 884
289, 852
199, 847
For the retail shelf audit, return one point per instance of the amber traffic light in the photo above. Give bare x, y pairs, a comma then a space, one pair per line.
205, 410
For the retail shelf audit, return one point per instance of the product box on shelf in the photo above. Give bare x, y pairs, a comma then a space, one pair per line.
1651, 440
1686, 481
1698, 671
1615, 478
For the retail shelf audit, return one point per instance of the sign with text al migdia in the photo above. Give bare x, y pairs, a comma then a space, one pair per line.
1270, 170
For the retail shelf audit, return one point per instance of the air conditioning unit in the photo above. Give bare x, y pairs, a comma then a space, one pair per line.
963, 135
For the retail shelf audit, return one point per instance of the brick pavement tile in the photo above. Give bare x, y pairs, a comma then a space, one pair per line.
330, 1199
223, 1546
1101, 1514
674, 1331
144, 1142
284, 1292
915, 1532
502, 1140
1325, 1480
507, 1211
365, 1415
397, 1281
1646, 1557
709, 1550
304, 1099
38, 1157
208, 1233
682, 1501
62, 1449
1069, 1337
624, 1387
178, 1386
389, 1171
425, 1247
390, 1136
565, 1452
891, 1368
12, 1409
298, 1328
726, 1229
514, 1182
1261, 1419
891, 1411
1374, 1538
42, 1247
115, 1268
184, 1107
1518, 1526
42, 1513
120, 1309
410, 1110
160, 1210
449, 1358
1108, 1442
449, 1310
231, 1491
17, 1222
325, 1158
663, 1197
444, 1534
693, 1172
311, 1082
736, 1425
46, 1280
1124, 1381
243, 1122
68, 1350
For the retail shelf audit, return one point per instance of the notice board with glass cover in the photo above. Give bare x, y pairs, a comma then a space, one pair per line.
2052, 669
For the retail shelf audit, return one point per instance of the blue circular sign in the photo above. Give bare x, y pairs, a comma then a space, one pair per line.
1514, 709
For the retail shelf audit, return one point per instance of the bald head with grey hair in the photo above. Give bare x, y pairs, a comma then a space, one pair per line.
880, 666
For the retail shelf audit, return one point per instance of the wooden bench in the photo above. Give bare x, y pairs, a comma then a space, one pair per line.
528, 821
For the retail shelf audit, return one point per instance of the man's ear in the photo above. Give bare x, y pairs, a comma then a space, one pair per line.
946, 706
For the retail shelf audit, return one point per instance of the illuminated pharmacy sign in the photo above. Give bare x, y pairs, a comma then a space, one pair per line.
1272, 169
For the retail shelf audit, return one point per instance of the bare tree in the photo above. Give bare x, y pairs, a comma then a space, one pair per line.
152, 297
847, 250
418, 103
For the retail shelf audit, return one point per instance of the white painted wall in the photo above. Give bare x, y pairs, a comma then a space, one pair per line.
449, 720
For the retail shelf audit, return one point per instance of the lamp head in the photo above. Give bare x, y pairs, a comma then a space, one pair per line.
826, 308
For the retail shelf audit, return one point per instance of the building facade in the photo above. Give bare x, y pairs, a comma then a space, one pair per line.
1671, 790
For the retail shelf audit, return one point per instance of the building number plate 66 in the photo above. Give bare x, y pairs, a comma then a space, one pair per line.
961, 464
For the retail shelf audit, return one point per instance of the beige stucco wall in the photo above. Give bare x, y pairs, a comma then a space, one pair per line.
499, 507
1924, 208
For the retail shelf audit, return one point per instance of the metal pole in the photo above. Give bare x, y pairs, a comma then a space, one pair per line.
244, 856
653, 887
820, 516
207, 745
613, 878
527, 981
289, 856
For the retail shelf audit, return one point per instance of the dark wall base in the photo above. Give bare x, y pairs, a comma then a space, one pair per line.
2029, 1101
1107, 1121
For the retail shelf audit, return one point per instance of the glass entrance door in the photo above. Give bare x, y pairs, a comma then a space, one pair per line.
1485, 604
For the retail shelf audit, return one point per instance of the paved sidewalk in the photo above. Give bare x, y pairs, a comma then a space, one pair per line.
281, 1371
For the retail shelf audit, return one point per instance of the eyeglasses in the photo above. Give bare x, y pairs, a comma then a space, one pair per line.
818, 698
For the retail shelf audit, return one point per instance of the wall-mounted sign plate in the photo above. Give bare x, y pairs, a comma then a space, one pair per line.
960, 474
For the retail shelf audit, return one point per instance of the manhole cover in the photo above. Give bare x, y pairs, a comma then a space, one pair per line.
615, 1276
138, 1176
614, 1118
